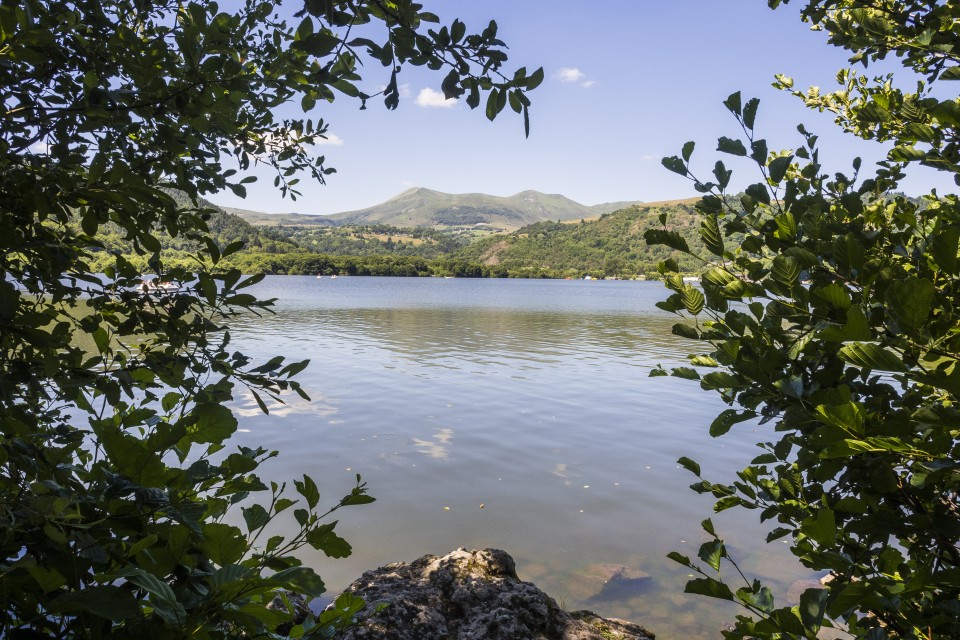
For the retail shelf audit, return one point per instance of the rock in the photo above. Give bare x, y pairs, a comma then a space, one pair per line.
470, 595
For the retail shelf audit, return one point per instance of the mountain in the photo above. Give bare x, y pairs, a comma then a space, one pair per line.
427, 208
421, 207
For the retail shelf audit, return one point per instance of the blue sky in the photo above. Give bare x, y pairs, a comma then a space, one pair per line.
627, 82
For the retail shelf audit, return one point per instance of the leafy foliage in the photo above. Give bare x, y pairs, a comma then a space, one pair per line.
119, 495
835, 319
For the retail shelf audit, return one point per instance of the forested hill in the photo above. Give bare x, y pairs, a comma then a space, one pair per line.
225, 228
612, 245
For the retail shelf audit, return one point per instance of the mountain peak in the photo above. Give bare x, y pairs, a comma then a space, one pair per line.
422, 207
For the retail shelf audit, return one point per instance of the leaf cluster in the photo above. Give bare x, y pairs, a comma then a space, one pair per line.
833, 319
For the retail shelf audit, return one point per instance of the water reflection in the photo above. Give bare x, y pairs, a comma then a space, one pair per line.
438, 447
530, 398
454, 337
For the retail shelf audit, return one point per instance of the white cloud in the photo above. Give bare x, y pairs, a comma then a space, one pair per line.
331, 139
430, 98
572, 74
569, 74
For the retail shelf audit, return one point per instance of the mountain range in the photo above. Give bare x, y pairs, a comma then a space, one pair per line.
420, 207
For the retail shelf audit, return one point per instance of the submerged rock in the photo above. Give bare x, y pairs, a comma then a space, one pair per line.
470, 595
607, 581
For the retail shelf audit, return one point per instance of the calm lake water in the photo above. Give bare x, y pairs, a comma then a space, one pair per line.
530, 398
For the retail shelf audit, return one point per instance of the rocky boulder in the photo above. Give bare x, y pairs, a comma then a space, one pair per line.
470, 595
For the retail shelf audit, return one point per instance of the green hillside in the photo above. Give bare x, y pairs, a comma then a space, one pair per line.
611, 246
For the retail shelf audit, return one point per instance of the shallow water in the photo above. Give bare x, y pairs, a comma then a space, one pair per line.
530, 398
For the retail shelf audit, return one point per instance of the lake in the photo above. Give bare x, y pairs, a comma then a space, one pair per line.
515, 414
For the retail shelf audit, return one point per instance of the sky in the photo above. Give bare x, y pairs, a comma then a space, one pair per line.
627, 83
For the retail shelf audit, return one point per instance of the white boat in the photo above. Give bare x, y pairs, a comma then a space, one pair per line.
154, 286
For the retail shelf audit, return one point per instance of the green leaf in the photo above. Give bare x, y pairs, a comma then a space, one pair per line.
722, 174
685, 331
944, 247
692, 299
308, 489
687, 151
492, 99
671, 239
223, 543
750, 114
9, 300
212, 423
324, 539
813, 606
357, 497
679, 558
778, 168
849, 417
872, 356
711, 236
835, 294
255, 516
762, 598
727, 418
721, 380
733, 147
162, 597
856, 328
733, 103
709, 587
950, 73
711, 552
785, 270
102, 340
535, 79
909, 301
301, 580
850, 447
717, 276
906, 153
106, 601
685, 372
689, 465
848, 253
822, 527
675, 164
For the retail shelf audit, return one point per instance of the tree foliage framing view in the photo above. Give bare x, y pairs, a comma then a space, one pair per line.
835, 320
116, 477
